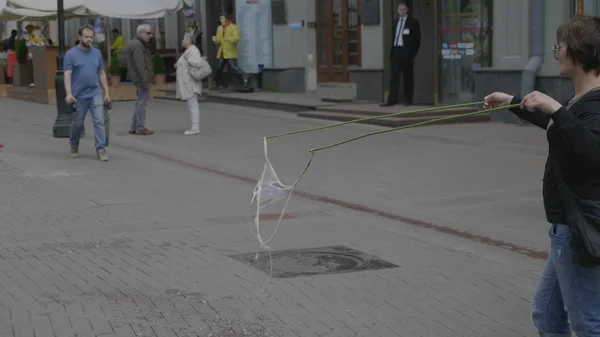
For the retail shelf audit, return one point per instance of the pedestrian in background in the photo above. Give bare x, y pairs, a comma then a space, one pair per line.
141, 70
189, 88
405, 46
84, 73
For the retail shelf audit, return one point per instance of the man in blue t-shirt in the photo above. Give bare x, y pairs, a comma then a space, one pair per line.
84, 71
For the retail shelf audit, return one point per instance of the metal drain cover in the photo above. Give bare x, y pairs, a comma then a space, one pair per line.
313, 261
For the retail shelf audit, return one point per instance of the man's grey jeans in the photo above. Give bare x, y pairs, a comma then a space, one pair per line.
138, 122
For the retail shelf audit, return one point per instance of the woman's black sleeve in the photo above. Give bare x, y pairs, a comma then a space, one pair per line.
537, 117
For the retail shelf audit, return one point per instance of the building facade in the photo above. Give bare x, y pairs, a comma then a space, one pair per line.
469, 47
320, 41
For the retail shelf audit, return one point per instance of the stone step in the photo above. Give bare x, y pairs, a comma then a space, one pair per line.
249, 101
390, 121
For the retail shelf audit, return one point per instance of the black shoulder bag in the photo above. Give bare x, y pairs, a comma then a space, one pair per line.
583, 217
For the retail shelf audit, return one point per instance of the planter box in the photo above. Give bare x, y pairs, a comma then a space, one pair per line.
159, 79
337, 91
115, 81
44, 66
22, 74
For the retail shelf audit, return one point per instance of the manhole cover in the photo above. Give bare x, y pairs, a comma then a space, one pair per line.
313, 261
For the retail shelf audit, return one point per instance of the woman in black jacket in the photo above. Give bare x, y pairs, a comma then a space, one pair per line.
568, 296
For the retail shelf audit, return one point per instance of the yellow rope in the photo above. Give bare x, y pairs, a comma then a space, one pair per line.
462, 105
481, 112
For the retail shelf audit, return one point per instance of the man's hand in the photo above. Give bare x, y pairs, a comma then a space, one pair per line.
70, 99
106, 98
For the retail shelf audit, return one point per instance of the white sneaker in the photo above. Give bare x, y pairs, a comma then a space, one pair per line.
191, 132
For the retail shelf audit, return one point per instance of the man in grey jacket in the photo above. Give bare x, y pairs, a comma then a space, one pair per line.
141, 70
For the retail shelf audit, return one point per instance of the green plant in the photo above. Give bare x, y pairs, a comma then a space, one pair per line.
21, 50
114, 68
159, 65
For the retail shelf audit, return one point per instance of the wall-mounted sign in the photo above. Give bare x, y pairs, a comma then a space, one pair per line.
296, 24
253, 18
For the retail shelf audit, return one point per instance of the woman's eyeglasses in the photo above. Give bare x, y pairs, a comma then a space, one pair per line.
555, 50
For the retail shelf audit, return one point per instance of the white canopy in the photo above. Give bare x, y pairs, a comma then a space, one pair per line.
121, 9
11, 13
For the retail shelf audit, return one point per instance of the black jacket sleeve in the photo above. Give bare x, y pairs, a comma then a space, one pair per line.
582, 132
537, 117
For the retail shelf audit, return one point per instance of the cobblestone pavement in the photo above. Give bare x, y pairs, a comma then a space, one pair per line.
142, 245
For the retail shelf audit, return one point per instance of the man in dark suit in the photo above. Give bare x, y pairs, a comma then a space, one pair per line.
405, 46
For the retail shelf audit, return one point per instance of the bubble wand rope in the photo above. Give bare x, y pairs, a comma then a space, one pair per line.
480, 112
312, 152
439, 108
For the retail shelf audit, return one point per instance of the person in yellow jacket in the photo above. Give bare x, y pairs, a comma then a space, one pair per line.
227, 38
119, 41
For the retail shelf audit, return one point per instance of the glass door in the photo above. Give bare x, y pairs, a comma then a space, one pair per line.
465, 33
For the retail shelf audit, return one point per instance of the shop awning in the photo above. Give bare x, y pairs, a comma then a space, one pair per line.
11, 13
121, 9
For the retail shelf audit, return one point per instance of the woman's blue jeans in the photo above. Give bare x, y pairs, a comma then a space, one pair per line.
568, 296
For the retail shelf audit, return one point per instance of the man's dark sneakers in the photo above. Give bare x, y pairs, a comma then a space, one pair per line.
144, 132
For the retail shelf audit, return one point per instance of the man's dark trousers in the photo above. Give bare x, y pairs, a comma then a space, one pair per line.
402, 63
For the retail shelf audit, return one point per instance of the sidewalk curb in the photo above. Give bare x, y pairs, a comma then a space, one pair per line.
247, 102
326, 111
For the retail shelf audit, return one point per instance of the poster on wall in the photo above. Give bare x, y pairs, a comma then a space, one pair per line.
253, 18
100, 35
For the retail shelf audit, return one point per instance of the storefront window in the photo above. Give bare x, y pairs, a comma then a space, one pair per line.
465, 45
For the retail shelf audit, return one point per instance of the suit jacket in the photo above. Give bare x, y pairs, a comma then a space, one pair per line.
412, 40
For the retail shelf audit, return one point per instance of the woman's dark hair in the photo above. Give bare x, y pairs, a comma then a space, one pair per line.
581, 35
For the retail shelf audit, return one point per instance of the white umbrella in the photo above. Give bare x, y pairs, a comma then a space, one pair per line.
122, 9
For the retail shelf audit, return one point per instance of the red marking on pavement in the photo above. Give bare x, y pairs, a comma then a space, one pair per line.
274, 216
532, 253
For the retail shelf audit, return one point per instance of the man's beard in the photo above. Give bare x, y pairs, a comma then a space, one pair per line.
86, 44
